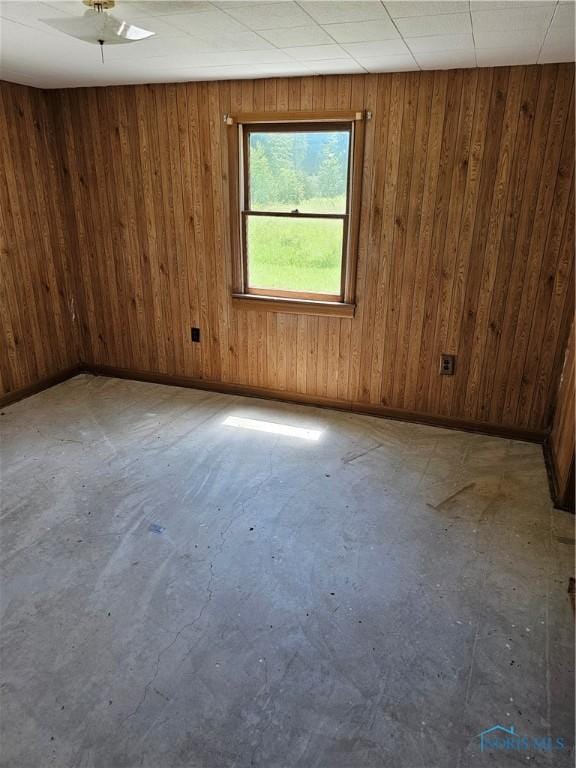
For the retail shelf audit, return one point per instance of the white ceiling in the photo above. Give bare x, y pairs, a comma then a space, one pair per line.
197, 40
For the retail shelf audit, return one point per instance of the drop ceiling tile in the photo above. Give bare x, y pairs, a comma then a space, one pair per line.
231, 67
28, 63
159, 26
27, 70
129, 10
161, 7
501, 38
498, 5
230, 72
214, 21
24, 43
317, 52
149, 49
564, 16
440, 43
162, 45
335, 12
560, 34
502, 57
15, 76
268, 70
192, 56
218, 31
556, 54
401, 63
445, 24
402, 9
268, 15
446, 59
358, 31
376, 48
226, 4
562, 37
245, 58
64, 6
334, 67
285, 38
30, 14
537, 17
124, 67
230, 41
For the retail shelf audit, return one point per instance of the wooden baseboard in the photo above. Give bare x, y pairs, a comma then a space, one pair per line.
38, 386
446, 422
563, 498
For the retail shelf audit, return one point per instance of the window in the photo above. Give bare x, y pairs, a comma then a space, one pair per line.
295, 200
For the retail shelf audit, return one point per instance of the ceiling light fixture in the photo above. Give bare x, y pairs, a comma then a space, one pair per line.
97, 26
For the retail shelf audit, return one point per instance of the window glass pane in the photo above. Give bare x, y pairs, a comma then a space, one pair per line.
294, 254
307, 170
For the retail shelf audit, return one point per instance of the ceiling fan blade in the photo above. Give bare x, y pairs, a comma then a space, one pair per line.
94, 26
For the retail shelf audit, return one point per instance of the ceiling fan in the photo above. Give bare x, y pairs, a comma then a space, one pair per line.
98, 26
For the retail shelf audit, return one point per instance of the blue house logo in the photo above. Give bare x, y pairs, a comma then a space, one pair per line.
500, 738
493, 738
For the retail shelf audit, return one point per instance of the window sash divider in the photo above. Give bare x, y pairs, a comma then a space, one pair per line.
299, 215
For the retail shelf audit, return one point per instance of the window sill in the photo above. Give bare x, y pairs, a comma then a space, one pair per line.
292, 306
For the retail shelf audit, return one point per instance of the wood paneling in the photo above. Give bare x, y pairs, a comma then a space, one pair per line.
466, 241
37, 309
561, 442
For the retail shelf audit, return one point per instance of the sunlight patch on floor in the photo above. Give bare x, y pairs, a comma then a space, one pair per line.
271, 426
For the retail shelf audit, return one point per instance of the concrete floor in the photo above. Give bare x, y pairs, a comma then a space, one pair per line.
377, 597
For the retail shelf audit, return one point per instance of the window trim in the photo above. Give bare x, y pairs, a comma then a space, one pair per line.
244, 297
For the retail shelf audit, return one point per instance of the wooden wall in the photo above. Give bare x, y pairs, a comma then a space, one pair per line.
561, 443
466, 247
37, 330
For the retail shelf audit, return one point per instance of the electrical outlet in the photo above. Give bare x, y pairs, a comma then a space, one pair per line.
447, 363
195, 334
